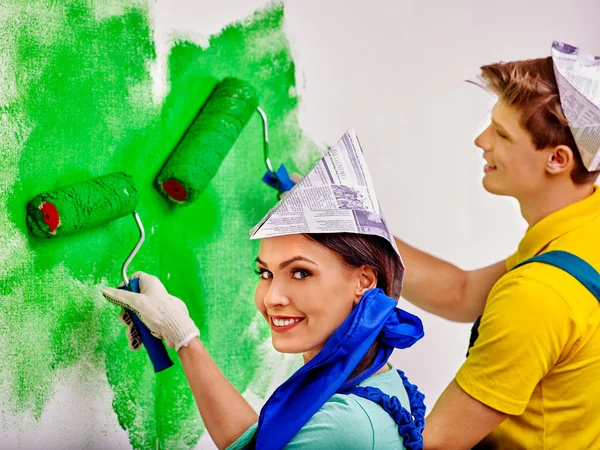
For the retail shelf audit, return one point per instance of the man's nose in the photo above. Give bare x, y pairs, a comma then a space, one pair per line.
484, 141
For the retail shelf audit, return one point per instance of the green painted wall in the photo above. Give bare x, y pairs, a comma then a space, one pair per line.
75, 103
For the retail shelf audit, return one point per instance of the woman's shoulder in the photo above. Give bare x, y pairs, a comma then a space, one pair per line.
353, 422
341, 423
391, 384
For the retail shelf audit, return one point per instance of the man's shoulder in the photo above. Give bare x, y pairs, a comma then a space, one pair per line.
543, 285
532, 281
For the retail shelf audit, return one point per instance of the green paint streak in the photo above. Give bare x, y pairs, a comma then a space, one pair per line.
81, 106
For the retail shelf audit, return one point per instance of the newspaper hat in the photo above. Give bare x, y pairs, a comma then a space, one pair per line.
336, 196
578, 78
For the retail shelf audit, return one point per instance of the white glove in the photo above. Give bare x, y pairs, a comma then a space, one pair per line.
166, 316
296, 178
133, 336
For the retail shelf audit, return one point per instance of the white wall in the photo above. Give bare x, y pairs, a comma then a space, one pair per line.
394, 71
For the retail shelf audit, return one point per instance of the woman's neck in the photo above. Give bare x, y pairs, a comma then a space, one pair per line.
384, 369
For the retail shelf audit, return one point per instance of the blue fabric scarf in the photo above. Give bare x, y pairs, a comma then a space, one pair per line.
303, 394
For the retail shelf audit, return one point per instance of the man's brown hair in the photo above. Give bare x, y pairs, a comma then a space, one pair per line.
530, 86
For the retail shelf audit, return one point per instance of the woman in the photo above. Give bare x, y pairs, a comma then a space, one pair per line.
329, 297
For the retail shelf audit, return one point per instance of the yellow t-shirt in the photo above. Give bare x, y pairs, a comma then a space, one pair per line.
537, 357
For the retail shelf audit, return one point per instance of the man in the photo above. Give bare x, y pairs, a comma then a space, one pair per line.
532, 379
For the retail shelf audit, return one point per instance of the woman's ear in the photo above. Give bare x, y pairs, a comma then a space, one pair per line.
366, 279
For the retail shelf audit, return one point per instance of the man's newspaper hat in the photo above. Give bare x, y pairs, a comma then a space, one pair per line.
578, 78
336, 196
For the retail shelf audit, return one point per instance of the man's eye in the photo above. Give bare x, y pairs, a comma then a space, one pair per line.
299, 274
500, 134
263, 273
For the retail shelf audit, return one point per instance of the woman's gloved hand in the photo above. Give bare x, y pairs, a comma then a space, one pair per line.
296, 178
166, 316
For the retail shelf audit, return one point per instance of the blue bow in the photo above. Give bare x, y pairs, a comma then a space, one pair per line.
303, 394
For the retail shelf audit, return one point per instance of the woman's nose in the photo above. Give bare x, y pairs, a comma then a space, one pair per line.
276, 296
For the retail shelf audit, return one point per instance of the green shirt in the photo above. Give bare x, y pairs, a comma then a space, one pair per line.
349, 422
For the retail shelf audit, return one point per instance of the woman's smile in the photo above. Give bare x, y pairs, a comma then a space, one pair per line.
280, 324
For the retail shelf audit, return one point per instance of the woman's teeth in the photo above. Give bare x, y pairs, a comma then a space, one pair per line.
284, 322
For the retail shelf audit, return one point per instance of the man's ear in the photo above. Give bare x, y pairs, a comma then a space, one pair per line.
366, 279
560, 159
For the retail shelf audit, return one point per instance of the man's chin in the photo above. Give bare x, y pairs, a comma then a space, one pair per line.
493, 188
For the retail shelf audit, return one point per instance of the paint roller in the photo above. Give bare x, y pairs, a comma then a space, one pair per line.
90, 204
206, 143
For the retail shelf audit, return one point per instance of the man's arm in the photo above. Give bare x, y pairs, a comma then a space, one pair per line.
444, 289
458, 421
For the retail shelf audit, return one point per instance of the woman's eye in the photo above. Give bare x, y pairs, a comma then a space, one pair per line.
299, 274
263, 273
500, 134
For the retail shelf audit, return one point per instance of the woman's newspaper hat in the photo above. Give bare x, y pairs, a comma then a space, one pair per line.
336, 196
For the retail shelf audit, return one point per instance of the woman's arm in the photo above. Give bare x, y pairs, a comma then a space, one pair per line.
224, 411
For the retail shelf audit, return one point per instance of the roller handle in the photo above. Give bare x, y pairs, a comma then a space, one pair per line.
154, 346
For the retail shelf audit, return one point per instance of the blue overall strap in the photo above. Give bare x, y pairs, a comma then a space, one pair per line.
410, 426
570, 263
573, 265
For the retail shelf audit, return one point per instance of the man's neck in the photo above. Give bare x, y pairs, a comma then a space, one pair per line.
556, 196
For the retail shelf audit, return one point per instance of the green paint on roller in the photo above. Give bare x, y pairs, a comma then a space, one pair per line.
197, 158
82, 205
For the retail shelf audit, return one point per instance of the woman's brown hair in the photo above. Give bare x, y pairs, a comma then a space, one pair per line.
376, 252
